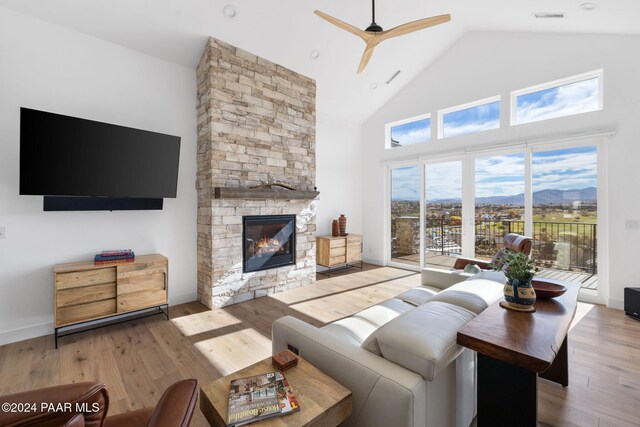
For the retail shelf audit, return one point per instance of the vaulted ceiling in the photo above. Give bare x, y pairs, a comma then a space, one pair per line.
286, 31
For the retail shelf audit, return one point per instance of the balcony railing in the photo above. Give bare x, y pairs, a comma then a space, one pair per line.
566, 246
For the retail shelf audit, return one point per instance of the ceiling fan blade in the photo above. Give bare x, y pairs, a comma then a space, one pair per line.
366, 57
410, 27
343, 25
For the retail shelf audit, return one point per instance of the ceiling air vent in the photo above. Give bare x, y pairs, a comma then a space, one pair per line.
393, 77
547, 15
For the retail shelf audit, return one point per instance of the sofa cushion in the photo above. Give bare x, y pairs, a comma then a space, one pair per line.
488, 290
419, 295
385, 311
353, 328
422, 340
468, 300
496, 276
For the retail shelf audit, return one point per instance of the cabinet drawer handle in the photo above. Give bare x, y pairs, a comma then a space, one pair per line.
165, 280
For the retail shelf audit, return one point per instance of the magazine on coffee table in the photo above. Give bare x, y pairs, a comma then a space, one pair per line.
259, 397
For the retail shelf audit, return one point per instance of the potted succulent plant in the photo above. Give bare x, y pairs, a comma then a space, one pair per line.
518, 291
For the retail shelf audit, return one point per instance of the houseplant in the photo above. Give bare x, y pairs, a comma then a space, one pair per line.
519, 294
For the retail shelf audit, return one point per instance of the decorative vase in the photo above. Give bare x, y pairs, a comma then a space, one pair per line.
335, 230
342, 221
519, 295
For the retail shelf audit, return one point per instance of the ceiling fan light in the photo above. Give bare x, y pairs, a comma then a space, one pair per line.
229, 11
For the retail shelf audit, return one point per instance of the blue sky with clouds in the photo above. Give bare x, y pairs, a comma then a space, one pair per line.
574, 98
412, 133
472, 120
566, 169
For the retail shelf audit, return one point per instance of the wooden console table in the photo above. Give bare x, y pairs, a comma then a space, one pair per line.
513, 350
341, 251
323, 401
85, 292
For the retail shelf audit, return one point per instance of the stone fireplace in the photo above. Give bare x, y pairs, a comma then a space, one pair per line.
256, 125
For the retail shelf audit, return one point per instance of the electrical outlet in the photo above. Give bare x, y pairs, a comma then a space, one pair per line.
3, 232
632, 224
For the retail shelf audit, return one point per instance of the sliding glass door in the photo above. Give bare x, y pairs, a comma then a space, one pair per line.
405, 215
565, 214
440, 210
499, 201
443, 213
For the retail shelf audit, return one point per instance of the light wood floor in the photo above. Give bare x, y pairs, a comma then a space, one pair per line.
137, 360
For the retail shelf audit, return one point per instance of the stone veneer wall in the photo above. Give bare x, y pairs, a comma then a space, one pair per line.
256, 123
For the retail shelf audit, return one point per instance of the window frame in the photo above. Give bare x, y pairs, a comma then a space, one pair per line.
599, 74
389, 126
468, 105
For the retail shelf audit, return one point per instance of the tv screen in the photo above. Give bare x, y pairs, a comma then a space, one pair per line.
68, 156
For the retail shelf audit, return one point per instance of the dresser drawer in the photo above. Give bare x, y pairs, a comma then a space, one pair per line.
354, 253
142, 268
84, 312
337, 260
353, 239
338, 251
85, 294
84, 278
337, 243
137, 292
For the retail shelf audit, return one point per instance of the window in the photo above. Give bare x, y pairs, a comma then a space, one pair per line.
469, 118
574, 95
416, 130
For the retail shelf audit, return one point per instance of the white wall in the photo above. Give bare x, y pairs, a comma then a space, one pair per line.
338, 173
47, 67
486, 64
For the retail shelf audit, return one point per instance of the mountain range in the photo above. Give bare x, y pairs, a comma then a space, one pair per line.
541, 197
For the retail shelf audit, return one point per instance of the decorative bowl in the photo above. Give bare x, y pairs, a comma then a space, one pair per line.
546, 290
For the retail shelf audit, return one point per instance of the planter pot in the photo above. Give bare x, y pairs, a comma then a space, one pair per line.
519, 295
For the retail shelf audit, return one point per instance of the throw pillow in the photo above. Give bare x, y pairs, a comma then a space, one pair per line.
499, 261
472, 269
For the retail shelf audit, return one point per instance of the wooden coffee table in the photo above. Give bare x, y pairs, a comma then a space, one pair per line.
323, 401
513, 350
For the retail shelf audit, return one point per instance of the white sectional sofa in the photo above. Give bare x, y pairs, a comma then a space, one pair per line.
399, 358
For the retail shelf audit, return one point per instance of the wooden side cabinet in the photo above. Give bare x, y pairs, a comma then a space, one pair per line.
341, 251
85, 292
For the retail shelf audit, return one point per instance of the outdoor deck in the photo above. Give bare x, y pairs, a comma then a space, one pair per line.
586, 280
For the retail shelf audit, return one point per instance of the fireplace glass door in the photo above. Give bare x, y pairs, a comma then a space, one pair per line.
269, 241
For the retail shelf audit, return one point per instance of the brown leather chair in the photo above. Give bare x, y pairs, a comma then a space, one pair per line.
88, 404
512, 241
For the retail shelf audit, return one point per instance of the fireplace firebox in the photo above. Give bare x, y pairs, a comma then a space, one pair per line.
269, 241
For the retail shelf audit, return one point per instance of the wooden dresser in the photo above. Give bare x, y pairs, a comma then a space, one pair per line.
86, 292
341, 251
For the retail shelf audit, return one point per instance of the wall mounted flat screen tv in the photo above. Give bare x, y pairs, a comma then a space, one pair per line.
68, 156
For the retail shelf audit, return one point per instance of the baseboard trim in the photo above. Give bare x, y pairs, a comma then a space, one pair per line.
182, 299
615, 303
373, 261
25, 333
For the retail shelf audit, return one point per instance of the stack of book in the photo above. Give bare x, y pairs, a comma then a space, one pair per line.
114, 256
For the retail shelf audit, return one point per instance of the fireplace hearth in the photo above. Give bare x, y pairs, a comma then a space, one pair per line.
269, 241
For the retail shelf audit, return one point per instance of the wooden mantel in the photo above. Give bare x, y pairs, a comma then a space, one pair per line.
263, 194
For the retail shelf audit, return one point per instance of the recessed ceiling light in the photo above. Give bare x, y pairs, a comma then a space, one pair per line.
588, 6
315, 54
229, 11
374, 86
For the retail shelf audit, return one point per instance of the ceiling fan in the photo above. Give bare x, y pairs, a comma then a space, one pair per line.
373, 35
